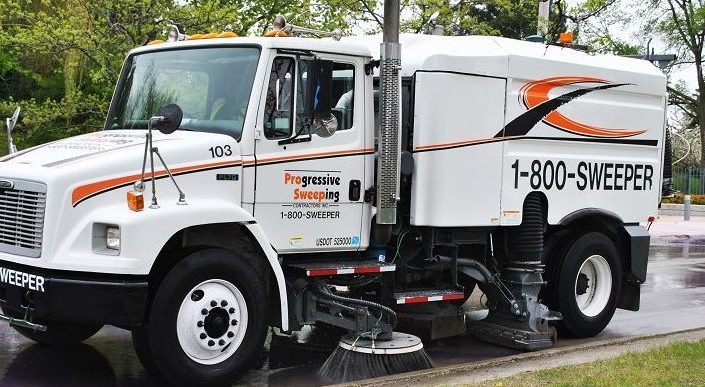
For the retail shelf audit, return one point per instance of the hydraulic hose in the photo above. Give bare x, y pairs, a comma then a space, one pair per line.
527, 242
323, 291
484, 271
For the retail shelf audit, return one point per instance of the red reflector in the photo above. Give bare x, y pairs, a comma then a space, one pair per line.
321, 272
651, 219
367, 269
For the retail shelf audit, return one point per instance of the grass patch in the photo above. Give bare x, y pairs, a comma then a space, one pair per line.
679, 364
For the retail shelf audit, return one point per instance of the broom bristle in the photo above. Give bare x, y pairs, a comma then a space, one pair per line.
345, 366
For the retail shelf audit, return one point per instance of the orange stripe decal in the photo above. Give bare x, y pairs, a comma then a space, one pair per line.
82, 192
352, 152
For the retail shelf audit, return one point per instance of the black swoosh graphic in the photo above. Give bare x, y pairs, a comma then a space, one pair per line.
521, 125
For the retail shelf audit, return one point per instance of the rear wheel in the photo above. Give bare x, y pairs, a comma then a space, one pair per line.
58, 332
207, 322
586, 287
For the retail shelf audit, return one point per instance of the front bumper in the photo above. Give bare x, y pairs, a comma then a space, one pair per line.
71, 296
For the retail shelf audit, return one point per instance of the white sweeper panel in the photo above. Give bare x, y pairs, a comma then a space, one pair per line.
588, 137
458, 163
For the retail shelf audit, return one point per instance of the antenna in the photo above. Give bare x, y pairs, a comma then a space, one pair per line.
10, 122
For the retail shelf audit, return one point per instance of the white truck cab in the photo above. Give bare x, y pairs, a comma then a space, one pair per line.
526, 169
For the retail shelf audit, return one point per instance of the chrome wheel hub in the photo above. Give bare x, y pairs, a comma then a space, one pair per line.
212, 321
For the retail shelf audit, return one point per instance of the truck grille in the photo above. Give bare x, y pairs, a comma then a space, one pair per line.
22, 217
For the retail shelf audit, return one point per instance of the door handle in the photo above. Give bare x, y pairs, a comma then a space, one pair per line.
354, 190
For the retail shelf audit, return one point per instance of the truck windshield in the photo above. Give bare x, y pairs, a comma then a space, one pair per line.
211, 85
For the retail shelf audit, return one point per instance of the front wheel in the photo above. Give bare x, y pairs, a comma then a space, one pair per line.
586, 288
207, 322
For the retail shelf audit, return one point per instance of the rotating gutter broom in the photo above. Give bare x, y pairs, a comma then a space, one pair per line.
377, 350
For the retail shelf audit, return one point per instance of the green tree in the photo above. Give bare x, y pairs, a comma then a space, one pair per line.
681, 23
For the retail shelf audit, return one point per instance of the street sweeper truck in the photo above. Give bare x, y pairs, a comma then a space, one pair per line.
242, 183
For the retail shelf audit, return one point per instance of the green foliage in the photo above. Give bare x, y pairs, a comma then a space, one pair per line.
49, 120
679, 364
509, 18
59, 59
681, 23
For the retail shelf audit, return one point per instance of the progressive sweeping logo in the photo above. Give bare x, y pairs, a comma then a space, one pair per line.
313, 186
541, 108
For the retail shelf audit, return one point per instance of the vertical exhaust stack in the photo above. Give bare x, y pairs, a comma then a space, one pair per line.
390, 111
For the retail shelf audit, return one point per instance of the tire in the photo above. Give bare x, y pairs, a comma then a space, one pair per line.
586, 287
207, 322
58, 333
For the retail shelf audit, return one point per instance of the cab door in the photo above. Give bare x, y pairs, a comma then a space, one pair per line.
309, 195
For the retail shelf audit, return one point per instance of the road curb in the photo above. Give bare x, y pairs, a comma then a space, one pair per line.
466, 368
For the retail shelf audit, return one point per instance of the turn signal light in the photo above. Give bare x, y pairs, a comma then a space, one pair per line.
135, 201
565, 38
275, 33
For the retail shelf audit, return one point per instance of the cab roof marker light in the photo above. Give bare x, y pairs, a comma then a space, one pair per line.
175, 35
228, 34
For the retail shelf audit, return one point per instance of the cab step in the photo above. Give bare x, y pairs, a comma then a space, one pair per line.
320, 269
422, 296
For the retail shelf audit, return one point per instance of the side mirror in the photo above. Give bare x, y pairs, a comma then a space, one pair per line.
168, 119
319, 89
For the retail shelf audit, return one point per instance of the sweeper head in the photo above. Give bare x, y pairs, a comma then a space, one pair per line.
358, 358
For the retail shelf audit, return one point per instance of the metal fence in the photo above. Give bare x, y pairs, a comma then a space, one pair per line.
689, 180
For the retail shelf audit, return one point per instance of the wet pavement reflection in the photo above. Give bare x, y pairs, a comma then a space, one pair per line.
672, 299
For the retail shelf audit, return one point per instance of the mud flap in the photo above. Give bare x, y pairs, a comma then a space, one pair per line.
638, 253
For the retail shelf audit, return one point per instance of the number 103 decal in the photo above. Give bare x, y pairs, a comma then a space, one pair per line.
220, 151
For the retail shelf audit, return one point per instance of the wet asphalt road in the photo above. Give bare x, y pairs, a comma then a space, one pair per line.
673, 299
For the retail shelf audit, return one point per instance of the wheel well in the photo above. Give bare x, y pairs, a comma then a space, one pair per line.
584, 221
230, 236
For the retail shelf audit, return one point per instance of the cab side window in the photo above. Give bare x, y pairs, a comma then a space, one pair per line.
344, 94
279, 106
284, 108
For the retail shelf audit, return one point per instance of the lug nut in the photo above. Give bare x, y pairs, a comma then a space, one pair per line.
200, 324
223, 303
232, 310
203, 336
221, 342
214, 304
231, 335
204, 312
211, 343
233, 323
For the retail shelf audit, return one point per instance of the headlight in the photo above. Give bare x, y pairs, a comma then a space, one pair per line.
112, 238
